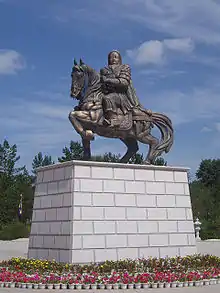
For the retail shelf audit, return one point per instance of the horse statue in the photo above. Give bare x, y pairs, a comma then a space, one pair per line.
88, 119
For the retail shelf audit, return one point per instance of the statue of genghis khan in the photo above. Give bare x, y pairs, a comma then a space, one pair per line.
118, 89
109, 107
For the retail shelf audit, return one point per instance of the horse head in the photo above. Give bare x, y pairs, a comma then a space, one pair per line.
79, 75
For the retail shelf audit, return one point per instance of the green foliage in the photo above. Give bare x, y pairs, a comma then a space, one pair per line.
14, 230
107, 157
160, 162
40, 161
74, 152
209, 172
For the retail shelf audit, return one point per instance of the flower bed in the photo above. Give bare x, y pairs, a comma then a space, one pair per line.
187, 271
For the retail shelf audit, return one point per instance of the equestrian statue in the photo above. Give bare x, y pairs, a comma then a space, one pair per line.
108, 106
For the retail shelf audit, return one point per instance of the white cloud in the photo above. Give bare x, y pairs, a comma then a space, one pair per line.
156, 52
206, 129
11, 62
197, 19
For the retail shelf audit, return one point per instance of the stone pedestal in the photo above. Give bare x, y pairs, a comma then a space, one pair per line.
91, 211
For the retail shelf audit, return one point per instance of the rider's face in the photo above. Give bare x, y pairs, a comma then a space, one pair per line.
114, 59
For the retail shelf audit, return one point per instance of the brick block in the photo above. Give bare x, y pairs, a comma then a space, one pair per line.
54, 254
186, 226
56, 200
67, 228
77, 184
169, 252
186, 189
55, 228
138, 240
125, 200
166, 201
180, 176
145, 175
104, 227
94, 241
60, 242
59, 174
113, 241
103, 254
189, 215
41, 189
147, 227
63, 214
175, 188
136, 214
158, 240
48, 241
64, 186
48, 175
40, 176
124, 174
102, 173
68, 172
65, 256
82, 172
191, 239
82, 227
39, 215
43, 228
37, 202
82, 199
168, 226
176, 214
124, 253
178, 239
92, 213
157, 214
134, 187
114, 213
126, 227
185, 251
114, 186
82, 256
76, 214
164, 175
91, 185
37, 241
103, 200
77, 242
67, 199
144, 200
53, 188
149, 252
183, 201
155, 187
43, 254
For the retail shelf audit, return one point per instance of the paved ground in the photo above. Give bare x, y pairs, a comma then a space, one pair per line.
15, 248
213, 289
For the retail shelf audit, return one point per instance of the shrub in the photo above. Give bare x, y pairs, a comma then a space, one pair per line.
14, 230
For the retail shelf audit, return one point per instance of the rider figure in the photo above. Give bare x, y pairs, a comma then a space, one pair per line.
117, 88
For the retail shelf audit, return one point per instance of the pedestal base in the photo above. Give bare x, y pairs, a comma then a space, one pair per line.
91, 212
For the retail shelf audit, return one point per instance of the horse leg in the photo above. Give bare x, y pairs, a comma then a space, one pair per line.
86, 149
132, 146
87, 134
153, 142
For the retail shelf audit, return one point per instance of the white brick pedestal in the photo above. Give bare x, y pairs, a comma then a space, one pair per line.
91, 211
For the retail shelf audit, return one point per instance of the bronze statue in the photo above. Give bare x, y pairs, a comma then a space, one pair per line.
109, 107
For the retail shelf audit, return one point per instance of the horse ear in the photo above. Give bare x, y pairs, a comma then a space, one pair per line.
75, 62
81, 62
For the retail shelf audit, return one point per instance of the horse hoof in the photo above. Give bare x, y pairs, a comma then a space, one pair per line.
147, 162
89, 135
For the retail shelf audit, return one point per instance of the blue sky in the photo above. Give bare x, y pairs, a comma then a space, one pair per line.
172, 47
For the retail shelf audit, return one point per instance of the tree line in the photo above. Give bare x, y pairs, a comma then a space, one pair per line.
16, 180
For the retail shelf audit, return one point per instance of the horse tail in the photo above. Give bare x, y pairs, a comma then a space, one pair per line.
167, 133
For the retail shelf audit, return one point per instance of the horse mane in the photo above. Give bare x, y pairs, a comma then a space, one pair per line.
94, 84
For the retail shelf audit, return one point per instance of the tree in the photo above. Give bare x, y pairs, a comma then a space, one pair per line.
107, 157
209, 172
74, 152
40, 161
160, 162
13, 182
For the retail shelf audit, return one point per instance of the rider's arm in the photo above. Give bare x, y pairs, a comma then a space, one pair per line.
123, 80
